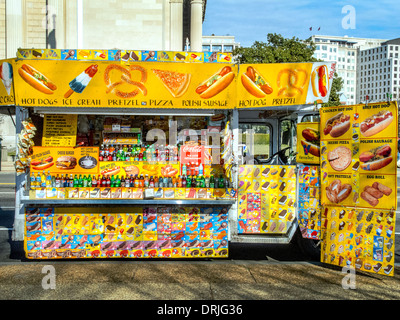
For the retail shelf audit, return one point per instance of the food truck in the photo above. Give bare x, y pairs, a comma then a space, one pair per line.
138, 154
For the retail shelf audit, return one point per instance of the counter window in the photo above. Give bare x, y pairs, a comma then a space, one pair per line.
256, 140
287, 139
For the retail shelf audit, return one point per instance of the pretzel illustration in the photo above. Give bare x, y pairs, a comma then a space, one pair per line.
126, 78
292, 87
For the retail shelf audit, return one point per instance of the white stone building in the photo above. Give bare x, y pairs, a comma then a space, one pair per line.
379, 72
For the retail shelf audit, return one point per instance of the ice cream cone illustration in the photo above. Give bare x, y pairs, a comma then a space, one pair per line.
6, 75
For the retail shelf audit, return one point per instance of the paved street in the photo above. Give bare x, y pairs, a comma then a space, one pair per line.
257, 271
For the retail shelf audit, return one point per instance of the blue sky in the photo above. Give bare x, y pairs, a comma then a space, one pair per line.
252, 20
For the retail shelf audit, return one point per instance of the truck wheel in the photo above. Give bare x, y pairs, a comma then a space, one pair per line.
309, 247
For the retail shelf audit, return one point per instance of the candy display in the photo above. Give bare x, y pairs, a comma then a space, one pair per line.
267, 196
362, 238
309, 206
147, 232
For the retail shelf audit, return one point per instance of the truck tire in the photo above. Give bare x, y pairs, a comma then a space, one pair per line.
310, 248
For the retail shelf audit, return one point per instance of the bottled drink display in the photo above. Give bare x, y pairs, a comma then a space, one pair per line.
149, 153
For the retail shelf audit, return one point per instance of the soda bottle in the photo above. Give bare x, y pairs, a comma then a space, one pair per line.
71, 181
84, 181
146, 181
179, 181
151, 182
52, 180
122, 181
161, 182
174, 182
33, 181
62, 181
48, 179
58, 182
75, 184
167, 153
198, 181
184, 182
137, 182
184, 172
194, 182
221, 183
43, 179
170, 183
165, 182
141, 182
155, 182
94, 182
98, 181
207, 181
202, 182
106, 151
80, 181
112, 182
38, 180
200, 169
103, 182
212, 182
108, 182
89, 181
188, 182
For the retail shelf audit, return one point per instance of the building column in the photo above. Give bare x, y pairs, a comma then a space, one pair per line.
176, 25
196, 25
15, 28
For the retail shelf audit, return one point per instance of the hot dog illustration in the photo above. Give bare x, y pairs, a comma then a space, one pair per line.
376, 123
377, 158
36, 79
337, 125
42, 164
255, 83
320, 81
216, 83
311, 142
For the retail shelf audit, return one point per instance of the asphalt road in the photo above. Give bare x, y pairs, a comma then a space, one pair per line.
252, 272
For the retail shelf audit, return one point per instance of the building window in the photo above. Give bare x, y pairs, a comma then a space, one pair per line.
206, 48
228, 48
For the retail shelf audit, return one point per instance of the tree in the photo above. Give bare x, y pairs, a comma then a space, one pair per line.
336, 87
278, 49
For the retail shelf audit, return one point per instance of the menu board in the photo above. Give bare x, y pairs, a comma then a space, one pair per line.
278, 84
309, 206
60, 130
359, 174
66, 160
308, 143
267, 196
